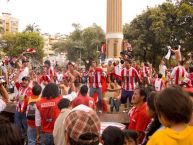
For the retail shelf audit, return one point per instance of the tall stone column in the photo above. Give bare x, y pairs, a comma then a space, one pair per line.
114, 34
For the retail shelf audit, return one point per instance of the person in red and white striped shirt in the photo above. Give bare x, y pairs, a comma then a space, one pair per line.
50, 70
95, 83
129, 74
159, 84
179, 73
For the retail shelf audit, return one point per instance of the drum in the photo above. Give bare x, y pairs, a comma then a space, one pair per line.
106, 124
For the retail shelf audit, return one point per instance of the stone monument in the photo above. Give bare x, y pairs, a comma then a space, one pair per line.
114, 33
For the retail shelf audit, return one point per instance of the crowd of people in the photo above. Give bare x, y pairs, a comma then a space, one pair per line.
59, 105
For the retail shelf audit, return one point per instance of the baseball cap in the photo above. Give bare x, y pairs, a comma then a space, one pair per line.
80, 121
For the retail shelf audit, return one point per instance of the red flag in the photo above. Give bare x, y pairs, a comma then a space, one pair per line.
103, 48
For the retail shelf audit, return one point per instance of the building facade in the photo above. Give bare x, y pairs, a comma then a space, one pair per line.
49, 41
8, 23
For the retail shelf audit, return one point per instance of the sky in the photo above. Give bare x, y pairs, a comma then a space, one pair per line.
57, 16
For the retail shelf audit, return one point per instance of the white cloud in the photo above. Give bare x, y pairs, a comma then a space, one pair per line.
57, 15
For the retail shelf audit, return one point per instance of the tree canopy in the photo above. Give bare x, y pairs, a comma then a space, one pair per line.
82, 43
32, 28
14, 44
157, 27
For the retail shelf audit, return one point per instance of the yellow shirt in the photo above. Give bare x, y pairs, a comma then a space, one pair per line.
168, 136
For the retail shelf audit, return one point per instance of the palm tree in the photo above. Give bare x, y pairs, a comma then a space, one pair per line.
32, 28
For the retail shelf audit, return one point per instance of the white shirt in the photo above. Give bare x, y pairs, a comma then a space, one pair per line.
162, 70
23, 73
58, 132
71, 96
60, 76
2, 105
37, 117
118, 69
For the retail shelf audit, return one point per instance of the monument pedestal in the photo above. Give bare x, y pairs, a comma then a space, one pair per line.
114, 47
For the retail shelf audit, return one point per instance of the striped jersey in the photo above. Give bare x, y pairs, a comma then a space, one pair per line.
95, 78
158, 84
128, 78
178, 74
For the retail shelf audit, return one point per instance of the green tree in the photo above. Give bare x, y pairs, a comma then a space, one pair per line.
32, 28
167, 24
82, 43
15, 44
185, 24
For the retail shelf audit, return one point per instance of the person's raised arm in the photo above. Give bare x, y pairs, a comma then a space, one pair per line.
4, 93
173, 50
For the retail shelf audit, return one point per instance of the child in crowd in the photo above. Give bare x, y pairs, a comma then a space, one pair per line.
174, 109
155, 124
29, 107
112, 136
168, 81
190, 92
131, 137
114, 100
159, 83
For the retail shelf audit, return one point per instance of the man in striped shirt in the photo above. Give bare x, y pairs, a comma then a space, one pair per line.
95, 82
179, 73
129, 75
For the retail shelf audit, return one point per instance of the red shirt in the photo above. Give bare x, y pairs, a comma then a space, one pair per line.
49, 111
191, 77
45, 78
51, 73
103, 49
139, 119
85, 100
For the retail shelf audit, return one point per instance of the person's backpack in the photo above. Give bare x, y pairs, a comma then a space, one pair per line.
30, 113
